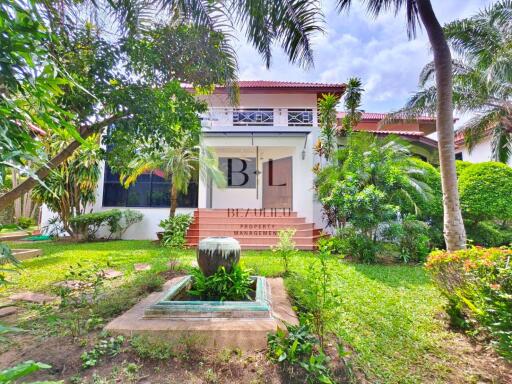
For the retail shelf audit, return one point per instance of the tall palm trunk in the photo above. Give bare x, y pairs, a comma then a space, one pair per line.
454, 232
174, 199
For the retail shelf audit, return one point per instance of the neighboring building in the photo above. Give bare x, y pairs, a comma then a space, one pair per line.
265, 147
480, 153
415, 132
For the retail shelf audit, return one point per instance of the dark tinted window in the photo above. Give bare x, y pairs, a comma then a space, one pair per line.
150, 190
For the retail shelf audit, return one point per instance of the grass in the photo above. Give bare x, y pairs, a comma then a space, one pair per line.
387, 314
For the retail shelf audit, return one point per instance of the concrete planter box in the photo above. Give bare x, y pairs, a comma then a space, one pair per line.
247, 333
172, 307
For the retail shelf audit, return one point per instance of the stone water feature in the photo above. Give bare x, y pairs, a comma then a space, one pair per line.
212, 254
174, 314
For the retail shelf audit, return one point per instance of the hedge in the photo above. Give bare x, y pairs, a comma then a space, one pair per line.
478, 285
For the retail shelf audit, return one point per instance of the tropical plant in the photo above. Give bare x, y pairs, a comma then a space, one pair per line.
411, 238
285, 246
485, 190
327, 123
71, 187
352, 104
373, 182
478, 285
235, 285
290, 23
6, 257
416, 12
314, 292
298, 348
179, 164
175, 229
115, 220
12, 374
372, 177
482, 78
30, 84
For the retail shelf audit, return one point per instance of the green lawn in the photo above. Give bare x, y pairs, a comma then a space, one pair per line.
387, 314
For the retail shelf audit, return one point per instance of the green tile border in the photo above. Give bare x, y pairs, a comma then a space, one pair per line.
261, 302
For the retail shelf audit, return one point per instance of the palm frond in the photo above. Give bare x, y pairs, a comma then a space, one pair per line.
501, 144
478, 127
291, 23
376, 7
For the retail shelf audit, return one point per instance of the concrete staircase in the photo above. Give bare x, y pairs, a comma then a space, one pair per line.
253, 228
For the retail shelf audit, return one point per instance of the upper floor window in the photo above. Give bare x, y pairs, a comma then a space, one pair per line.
300, 117
253, 116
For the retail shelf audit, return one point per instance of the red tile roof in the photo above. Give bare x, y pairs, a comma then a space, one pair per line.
391, 132
408, 135
286, 84
380, 116
252, 86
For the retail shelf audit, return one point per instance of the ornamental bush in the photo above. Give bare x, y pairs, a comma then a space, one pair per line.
175, 228
461, 166
489, 234
115, 220
478, 285
485, 191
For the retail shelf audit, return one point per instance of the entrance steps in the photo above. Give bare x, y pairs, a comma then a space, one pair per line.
253, 228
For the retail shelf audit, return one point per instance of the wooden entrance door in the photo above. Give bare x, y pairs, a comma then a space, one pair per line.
277, 183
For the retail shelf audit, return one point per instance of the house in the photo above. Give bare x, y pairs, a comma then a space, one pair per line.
265, 148
414, 131
480, 153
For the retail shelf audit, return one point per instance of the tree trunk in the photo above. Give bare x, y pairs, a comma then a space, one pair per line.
24, 187
454, 232
174, 199
17, 202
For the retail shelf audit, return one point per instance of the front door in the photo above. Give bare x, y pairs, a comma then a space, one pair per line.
277, 183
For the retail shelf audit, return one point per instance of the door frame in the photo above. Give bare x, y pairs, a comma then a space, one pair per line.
263, 181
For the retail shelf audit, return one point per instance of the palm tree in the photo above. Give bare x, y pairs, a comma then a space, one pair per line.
291, 24
352, 103
179, 164
368, 161
482, 78
421, 11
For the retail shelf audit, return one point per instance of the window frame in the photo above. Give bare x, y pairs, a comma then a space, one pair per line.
192, 190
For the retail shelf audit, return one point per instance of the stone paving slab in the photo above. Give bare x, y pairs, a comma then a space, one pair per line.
244, 333
33, 297
24, 254
72, 284
112, 273
7, 311
142, 267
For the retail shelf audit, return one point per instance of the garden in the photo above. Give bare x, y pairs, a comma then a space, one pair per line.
411, 282
393, 330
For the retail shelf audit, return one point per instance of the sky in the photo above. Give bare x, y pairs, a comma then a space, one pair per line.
355, 44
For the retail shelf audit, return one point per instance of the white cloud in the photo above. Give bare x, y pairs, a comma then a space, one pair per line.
377, 50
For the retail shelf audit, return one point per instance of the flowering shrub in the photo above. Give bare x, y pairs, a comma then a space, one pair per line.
478, 285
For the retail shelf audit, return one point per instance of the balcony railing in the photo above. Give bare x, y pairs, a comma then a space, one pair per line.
300, 117
253, 116
274, 117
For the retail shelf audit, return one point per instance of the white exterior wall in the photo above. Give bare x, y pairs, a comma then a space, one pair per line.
144, 230
480, 153
270, 146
